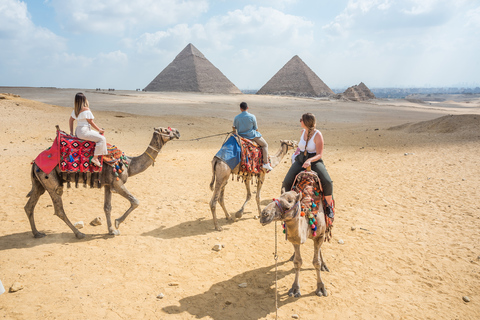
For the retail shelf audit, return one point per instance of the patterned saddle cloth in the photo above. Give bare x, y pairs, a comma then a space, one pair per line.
308, 183
252, 157
76, 154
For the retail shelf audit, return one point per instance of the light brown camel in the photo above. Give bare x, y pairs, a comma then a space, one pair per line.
287, 208
221, 173
52, 183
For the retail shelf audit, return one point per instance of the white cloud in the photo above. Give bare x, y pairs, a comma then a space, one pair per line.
116, 17
19, 36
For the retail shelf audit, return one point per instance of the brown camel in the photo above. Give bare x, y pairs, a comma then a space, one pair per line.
287, 208
52, 183
221, 172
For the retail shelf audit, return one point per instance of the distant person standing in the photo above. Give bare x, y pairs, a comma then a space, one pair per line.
81, 112
246, 125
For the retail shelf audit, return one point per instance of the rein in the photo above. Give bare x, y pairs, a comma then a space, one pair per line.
214, 135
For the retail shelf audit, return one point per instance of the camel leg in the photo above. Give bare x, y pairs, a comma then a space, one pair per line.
107, 207
122, 190
239, 213
324, 265
259, 189
218, 196
34, 194
318, 263
221, 200
58, 206
297, 263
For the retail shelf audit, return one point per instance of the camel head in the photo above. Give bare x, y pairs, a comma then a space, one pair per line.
166, 134
279, 209
289, 143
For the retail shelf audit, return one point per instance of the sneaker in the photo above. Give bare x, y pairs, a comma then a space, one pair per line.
267, 167
329, 212
96, 162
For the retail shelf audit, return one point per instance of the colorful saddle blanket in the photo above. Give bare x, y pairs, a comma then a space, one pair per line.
308, 183
252, 157
230, 152
76, 154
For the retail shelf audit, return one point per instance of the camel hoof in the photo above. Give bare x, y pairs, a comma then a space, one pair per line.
219, 228
39, 235
80, 235
294, 293
239, 214
321, 292
115, 232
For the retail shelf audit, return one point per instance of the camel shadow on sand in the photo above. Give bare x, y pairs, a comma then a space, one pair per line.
200, 226
24, 240
226, 300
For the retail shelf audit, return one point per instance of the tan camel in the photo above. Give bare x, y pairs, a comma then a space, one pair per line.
287, 208
53, 184
221, 173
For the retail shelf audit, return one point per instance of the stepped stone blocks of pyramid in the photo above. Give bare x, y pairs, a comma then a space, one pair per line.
358, 93
190, 71
296, 79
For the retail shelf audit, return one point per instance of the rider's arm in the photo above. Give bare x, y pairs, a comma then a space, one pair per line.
319, 147
90, 122
70, 123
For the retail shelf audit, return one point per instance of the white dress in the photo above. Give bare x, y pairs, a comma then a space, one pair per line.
83, 131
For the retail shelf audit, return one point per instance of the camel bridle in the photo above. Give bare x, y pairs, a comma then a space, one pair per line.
284, 212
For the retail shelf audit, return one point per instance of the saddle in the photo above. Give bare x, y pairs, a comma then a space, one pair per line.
308, 183
73, 157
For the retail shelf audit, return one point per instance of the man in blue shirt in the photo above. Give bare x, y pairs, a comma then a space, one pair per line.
246, 125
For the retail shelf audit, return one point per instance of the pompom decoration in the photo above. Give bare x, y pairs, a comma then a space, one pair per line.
302, 214
314, 234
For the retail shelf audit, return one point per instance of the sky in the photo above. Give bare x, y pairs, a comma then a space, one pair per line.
125, 44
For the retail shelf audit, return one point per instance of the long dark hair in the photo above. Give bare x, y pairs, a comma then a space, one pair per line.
310, 122
80, 102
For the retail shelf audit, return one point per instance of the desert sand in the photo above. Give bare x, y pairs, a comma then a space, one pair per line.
406, 240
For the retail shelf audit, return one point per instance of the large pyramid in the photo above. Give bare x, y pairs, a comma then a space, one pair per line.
296, 79
190, 71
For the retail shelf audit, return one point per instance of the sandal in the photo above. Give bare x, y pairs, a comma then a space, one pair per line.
96, 162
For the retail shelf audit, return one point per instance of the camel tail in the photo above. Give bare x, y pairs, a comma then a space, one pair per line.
32, 175
214, 163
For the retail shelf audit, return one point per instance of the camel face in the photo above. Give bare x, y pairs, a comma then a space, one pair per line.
169, 133
275, 210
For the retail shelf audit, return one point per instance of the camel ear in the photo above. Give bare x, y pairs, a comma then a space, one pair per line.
299, 196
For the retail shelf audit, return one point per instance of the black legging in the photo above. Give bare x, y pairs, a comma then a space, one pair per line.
317, 166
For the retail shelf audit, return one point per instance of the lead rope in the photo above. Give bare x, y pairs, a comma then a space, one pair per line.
276, 259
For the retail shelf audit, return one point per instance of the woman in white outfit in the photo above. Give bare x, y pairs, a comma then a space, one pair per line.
84, 117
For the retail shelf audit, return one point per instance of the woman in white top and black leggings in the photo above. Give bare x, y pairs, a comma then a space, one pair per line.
84, 117
311, 152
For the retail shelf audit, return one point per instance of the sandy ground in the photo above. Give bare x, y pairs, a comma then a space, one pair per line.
408, 214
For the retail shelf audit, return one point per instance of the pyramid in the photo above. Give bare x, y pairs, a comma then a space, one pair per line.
296, 79
358, 93
190, 71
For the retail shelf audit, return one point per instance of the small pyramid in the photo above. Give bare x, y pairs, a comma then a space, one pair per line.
296, 79
190, 71
358, 93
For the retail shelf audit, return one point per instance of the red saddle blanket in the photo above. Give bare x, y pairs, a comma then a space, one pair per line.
252, 157
308, 183
76, 154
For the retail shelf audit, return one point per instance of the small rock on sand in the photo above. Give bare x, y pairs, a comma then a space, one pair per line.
96, 222
79, 224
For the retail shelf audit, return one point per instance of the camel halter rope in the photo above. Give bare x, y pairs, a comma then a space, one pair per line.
162, 143
275, 255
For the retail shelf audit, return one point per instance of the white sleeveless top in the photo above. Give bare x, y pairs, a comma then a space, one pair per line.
311, 146
82, 118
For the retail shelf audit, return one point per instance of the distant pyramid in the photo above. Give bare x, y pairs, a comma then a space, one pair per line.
190, 71
296, 79
358, 93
